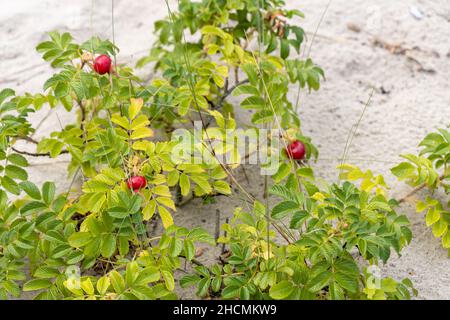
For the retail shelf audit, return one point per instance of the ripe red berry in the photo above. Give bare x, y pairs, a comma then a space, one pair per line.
102, 64
296, 150
136, 183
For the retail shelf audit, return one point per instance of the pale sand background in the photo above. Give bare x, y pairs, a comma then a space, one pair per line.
410, 99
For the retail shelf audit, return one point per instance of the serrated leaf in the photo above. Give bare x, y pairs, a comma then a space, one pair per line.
108, 245
135, 107
48, 192
282, 209
141, 133
166, 217
281, 290
103, 284
79, 239
36, 284
31, 190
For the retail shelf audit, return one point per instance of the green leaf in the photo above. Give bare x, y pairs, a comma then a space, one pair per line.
189, 249
347, 274
117, 281
16, 172
148, 275
168, 279
32, 207
118, 212
75, 257
404, 170
103, 284
79, 239
10, 185
5, 93
189, 280
36, 284
18, 159
281, 290
320, 281
446, 240
46, 272
246, 89
175, 247
282, 172
283, 209
305, 172
108, 245
222, 187
131, 273
48, 192
203, 286
31, 190
284, 50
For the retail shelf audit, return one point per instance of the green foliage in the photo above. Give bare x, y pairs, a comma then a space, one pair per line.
329, 231
203, 68
97, 241
431, 169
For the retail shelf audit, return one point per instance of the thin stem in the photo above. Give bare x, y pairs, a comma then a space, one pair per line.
415, 190
229, 91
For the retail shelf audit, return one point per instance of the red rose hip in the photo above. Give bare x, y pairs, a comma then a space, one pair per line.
296, 150
102, 64
136, 183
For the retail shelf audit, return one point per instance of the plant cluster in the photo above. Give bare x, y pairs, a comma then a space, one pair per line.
430, 169
98, 241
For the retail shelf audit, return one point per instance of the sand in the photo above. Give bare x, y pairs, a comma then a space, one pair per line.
406, 60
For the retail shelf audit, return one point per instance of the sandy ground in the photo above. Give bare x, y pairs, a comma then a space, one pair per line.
411, 95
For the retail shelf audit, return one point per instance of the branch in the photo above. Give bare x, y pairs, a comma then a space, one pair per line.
83, 114
417, 189
222, 98
28, 139
229, 91
36, 154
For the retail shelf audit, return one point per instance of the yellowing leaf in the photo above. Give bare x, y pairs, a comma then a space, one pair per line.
103, 284
222, 187
149, 210
439, 228
168, 202
202, 183
166, 217
185, 185
222, 70
142, 133
121, 121
135, 107
139, 122
446, 240
172, 178
432, 216
162, 190
87, 286
159, 179
318, 196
